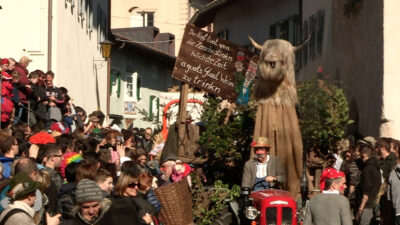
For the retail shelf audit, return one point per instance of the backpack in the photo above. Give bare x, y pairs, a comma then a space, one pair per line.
10, 213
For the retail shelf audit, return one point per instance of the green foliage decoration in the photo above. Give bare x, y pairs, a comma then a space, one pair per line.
226, 142
210, 202
323, 114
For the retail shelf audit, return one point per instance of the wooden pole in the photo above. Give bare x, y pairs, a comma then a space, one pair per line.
181, 120
229, 113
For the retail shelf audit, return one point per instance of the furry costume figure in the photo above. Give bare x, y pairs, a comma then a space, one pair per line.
276, 118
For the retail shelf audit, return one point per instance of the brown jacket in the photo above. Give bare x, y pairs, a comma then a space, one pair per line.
274, 168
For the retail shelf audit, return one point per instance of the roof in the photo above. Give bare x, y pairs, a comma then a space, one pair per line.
206, 15
146, 49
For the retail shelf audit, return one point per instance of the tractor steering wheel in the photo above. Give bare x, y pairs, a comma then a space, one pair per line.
260, 182
277, 183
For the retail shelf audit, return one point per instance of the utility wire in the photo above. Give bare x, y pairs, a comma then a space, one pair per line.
147, 42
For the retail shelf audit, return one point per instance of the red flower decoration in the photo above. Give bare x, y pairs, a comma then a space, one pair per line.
253, 144
42, 138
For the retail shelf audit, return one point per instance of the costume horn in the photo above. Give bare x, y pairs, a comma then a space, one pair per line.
254, 43
302, 45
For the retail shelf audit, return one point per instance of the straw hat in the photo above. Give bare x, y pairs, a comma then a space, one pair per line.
261, 142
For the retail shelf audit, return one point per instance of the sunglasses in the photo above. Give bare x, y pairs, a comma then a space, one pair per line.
133, 185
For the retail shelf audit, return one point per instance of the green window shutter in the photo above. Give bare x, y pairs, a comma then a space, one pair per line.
158, 110
138, 83
118, 84
151, 115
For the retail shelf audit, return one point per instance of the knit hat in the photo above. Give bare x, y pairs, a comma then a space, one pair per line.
88, 191
20, 185
329, 173
4, 61
69, 157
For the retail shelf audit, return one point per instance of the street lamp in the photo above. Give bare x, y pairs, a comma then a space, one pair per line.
106, 48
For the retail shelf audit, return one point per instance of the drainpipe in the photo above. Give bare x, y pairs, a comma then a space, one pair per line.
49, 33
108, 34
304, 179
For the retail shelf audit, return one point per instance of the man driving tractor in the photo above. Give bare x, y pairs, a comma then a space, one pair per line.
263, 170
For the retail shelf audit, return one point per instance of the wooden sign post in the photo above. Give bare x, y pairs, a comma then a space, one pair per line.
211, 64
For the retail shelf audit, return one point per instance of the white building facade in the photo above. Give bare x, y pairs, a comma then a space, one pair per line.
62, 36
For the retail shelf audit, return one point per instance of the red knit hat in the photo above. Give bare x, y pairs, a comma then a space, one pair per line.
5, 61
329, 173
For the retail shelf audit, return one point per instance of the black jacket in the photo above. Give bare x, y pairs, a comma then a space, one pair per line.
66, 201
370, 181
387, 164
123, 211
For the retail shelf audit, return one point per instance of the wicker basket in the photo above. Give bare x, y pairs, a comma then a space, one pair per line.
176, 203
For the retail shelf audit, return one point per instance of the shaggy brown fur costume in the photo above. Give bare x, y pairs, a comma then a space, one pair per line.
276, 119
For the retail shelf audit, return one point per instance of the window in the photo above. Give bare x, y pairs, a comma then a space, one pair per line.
102, 24
284, 30
142, 19
314, 26
313, 41
305, 48
320, 31
148, 19
272, 32
89, 15
129, 86
288, 29
115, 87
224, 34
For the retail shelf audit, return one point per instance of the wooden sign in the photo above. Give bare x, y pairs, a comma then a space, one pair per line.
210, 63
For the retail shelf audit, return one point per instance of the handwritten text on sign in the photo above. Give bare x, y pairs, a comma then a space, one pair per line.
207, 62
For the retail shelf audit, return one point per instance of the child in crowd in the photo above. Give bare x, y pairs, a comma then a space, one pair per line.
17, 111
38, 99
105, 181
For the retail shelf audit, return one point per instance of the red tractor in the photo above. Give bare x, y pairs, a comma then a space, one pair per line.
269, 206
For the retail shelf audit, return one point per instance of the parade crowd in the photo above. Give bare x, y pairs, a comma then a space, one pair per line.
365, 176
59, 165
56, 168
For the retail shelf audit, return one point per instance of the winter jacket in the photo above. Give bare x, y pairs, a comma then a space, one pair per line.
328, 209
51, 193
370, 182
151, 197
387, 164
23, 92
66, 201
15, 98
7, 166
25, 218
55, 176
6, 104
37, 98
79, 220
142, 206
123, 211
352, 172
274, 168
394, 188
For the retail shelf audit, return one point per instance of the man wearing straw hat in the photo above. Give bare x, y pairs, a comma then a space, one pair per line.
264, 170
